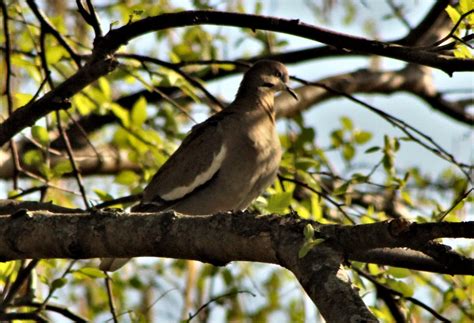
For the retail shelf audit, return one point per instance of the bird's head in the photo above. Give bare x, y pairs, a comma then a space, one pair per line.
267, 75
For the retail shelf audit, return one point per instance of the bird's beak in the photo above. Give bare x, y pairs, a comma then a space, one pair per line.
293, 93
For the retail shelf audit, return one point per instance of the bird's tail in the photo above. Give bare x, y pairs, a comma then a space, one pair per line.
112, 264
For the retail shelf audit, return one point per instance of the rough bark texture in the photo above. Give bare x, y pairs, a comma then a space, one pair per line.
222, 238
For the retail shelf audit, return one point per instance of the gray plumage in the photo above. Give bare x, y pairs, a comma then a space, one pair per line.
228, 160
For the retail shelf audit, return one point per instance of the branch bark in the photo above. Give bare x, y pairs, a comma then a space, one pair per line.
124, 34
269, 239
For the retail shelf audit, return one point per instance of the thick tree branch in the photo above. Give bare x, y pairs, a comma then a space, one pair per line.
250, 237
122, 35
269, 239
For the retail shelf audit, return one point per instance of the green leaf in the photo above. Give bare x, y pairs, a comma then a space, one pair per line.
54, 54
58, 283
348, 152
337, 138
46, 171
277, 203
120, 113
361, 137
62, 167
462, 51
307, 246
372, 149
104, 196
346, 123
138, 114
127, 177
105, 87
388, 160
465, 6
396, 144
454, 15
401, 287
398, 272
22, 98
407, 198
40, 134
91, 272
7, 268
304, 163
342, 189
304, 250
308, 232
359, 178
388, 163
33, 157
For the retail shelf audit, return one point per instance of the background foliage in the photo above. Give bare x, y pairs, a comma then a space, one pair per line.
341, 164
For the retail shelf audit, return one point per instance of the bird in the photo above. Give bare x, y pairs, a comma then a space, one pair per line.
228, 160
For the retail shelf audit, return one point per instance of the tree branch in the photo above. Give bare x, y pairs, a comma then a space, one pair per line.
124, 34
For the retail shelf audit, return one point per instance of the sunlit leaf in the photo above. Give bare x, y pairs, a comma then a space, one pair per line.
308, 231
277, 203
361, 137
33, 157
127, 177
21, 99
407, 198
401, 287
138, 114
304, 163
120, 113
40, 134
346, 123
348, 152
398, 272
105, 87
62, 167
307, 246
104, 196
91, 272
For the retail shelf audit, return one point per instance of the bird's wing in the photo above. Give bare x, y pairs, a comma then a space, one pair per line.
193, 164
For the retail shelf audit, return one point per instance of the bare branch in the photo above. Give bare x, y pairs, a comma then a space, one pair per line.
122, 35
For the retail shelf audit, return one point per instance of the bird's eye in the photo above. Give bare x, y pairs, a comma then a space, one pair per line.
278, 74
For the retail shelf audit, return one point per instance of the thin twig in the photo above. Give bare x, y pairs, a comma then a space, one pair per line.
48, 27
75, 168
324, 195
394, 292
8, 90
62, 132
53, 308
108, 285
176, 69
22, 276
53, 289
90, 16
451, 33
455, 203
400, 124
398, 13
212, 300
155, 89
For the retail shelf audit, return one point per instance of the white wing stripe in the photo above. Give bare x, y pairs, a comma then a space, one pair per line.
202, 178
